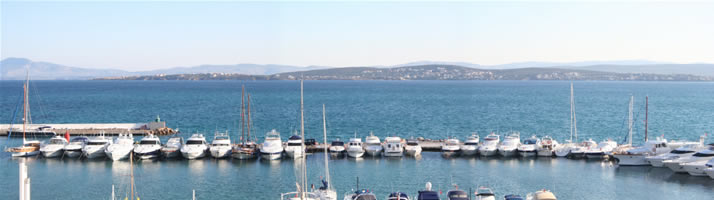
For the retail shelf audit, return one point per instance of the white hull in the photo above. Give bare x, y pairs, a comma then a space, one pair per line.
52, 153
696, 168
118, 154
469, 151
527, 153
271, 156
72, 153
507, 152
173, 153
193, 154
25, 154
563, 152
336, 153
374, 150
355, 154
488, 152
148, 154
710, 172
656, 162
630, 160
675, 167
93, 153
295, 154
394, 153
545, 153
221, 153
414, 151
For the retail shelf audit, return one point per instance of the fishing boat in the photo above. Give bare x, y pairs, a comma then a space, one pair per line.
302, 192
172, 148
393, 147
582, 147
337, 148
413, 148
509, 146
484, 193
699, 158
373, 146
149, 147
326, 191
564, 149
451, 148
545, 146
220, 146
685, 151
354, 148
470, 147
295, 147
541, 195
428, 194
603, 148
528, 147
398, 196
54, 146
28, 147
74, 148
95, 147
246, 149
121, 147
195, 147
489, 147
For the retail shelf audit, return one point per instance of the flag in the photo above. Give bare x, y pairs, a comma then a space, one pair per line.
66, 135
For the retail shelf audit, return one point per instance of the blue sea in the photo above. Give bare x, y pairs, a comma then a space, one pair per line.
429, 109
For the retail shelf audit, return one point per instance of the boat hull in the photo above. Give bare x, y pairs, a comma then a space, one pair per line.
595, 155
118, 154
487, 152
545, 153
562, 152
449, 153
710, 172
630, 160
355, 154
393, 153
271, 156
53, 153
413, 151
507, 152
695, 169
527, 153
191, 155
173, 153
336, 153
93, 153
469, 151
147, 155
72, 153
295, 153
25, 154
374, 151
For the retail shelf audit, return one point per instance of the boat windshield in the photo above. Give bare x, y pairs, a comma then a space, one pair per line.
149, 142
457, 195
681, 151
428, 195
294, 144
56, 141
471, 143
194, 142
96, 143
365, 197
79, 139
338, 143
529, 142
221, 145
707, 154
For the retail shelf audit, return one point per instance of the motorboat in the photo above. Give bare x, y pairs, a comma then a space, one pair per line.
528, 147
74, 148
470, 147
393, 147
603, 148
546, 146
272, 148
337, 148
564, 150
221, 146
636, 156
710, 169
509, 146
513, 197
685, 151
121, 148
362, 194
149, 147
484, 193
354, 148
451, 148
541, 195
489, 147
457, 194
582, 147
54, 147
95, 147
398, 196
195, 147
678, 165
172, 148
697, 168
372, 145
413, 148
295, 148
428, 194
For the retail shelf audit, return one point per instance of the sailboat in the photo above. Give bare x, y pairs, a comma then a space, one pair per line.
247, 148
29, 147
564, 149
132, 188
301, 193
326, 192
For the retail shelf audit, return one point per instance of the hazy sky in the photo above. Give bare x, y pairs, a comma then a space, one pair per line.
150, 35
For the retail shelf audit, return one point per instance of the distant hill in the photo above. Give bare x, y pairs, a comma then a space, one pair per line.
430, 72
696, 69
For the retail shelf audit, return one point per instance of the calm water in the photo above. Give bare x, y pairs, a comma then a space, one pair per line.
431, 109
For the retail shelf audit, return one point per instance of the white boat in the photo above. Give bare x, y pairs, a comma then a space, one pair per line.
489, 147
451, 148
220, 146
326, 191
354, 148
294, 147
678, 165
337, 148
636, 156
541, 195
74, 148
564, 149
697, 168
172, 148
545, 146
413, 148
710, 169
28, 147
582, 147
372, 145
529, 147
509, 146
484, 193
95, 147
149, 147
195, 147
272, 148
54, 147
685, 151
121, 148
393, 147
602, 149
470, 147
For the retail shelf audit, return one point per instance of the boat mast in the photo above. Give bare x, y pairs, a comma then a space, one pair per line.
647, 105
573, 121
131, 163
242, 115
632, 99
324, 131
25, 106
248, 118
302, 143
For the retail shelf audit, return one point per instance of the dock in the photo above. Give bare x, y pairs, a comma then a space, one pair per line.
111, 129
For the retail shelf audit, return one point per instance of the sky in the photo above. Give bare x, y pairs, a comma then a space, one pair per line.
137, 35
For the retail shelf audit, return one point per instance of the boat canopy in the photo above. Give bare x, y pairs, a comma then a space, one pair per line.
295, 137
457, 195
428, 195
513, 197
530, 141
338, 143
80, 139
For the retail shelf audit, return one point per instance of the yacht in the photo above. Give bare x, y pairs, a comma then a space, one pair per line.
545, 146
685, 151
393, 147
413, 148
172, 148
95, 147
54, 147
373, 145
121, 148
360, 195
427, 193
581, 148
354, 148
710, 169
564, 150
294, 147
489, 147
678, 165
337, 148
149, 147
697, 168
470, 147
272, 148
451, 148
398, 196
221, 146
602, 149
74, 148
541, 195
636, 156
457, 194
528, 147
195, 147
484, 193
509, 146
